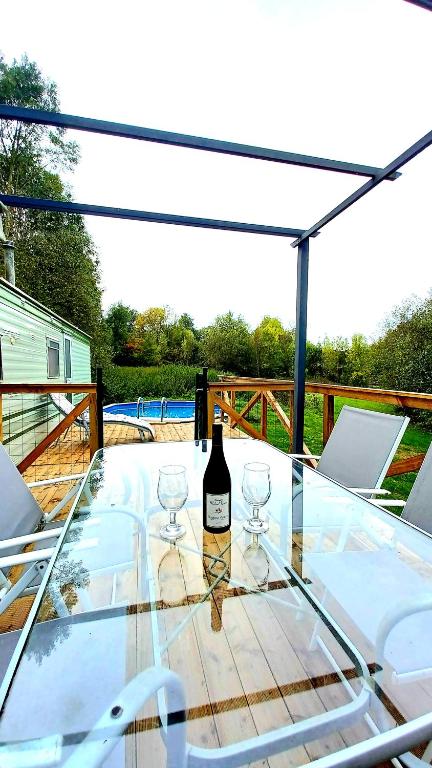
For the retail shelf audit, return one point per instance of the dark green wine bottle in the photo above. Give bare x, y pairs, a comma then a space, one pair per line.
217, 488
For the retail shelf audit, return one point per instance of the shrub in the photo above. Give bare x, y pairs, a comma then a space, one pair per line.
126, 384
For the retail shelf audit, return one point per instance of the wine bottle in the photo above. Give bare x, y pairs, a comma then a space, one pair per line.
217, 488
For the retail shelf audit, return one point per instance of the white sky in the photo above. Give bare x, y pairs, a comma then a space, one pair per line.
344, 79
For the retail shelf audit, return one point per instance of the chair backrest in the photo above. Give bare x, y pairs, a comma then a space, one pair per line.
418, 509
361, 446
19, 512
62, 403
65, 407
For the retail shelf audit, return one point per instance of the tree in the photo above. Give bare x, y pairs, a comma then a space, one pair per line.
148, 340
226, 344
402, 357
359, 361
55, 257
274, 348
314, 361
334, 359
120, 320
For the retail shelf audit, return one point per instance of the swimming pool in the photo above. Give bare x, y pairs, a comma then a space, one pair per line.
150, 410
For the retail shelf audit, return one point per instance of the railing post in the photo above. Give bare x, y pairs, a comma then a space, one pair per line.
1, 417
198, 408
300, 345
264, 415
328, 417
99, 405
233, 403
93, 423
209, 399
207, 424
291, 417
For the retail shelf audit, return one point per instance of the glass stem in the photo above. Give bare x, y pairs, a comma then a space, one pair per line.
255, 513
173, 519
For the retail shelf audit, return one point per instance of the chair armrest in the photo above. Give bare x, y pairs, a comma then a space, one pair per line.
30, 538
92, 752
388, 502
27, 557
55, 480
303, 456
370, 490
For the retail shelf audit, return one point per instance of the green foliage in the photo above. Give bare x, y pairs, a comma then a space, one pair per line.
55, 258
29, 151
125, 384
120, 321
314, 362
273, 348
226, 344
359, 362
403, 356
334, 359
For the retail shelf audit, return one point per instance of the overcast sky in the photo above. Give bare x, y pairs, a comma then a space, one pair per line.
343, 79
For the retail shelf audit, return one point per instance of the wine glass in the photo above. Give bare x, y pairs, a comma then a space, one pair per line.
256, 489
172, 494
255, 565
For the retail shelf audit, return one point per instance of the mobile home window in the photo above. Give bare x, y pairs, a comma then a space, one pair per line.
53, 349
67, 358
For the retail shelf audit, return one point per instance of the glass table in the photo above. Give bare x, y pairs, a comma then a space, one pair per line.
308, 644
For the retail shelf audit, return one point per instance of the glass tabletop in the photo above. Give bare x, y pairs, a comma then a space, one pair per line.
304, 641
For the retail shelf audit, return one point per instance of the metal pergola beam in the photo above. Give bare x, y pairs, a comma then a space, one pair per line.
405, 157
426, 4
302, 236
300, 346
60, 206
60, 120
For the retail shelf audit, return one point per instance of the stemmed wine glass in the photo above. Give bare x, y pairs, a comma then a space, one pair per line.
172, 494
256, 489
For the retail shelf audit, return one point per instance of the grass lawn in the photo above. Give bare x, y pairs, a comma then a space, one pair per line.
415, 440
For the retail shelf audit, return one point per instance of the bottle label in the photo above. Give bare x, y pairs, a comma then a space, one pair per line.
217, 510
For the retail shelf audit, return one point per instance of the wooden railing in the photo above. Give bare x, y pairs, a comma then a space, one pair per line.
223, 394
90, 401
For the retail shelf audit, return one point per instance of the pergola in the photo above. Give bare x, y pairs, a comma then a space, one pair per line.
299, 237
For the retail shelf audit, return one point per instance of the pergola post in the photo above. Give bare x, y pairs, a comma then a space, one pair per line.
300, 345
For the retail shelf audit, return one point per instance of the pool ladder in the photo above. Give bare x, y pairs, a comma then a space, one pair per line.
163, 403
140, 401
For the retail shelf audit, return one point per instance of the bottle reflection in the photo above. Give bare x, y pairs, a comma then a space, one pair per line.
171, 577
255, 565
216, 550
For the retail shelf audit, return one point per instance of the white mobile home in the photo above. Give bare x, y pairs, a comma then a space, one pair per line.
36, 346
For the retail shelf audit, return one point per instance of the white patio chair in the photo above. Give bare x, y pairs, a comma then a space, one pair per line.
106, 700
146, 431
360, 449
22, 522
417, 509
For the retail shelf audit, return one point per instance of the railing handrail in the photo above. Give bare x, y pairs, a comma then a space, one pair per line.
421, 400
263, 389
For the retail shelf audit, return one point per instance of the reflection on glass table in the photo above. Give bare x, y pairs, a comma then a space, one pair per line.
256, 489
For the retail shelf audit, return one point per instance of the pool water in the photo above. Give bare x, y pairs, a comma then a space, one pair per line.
151, 409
